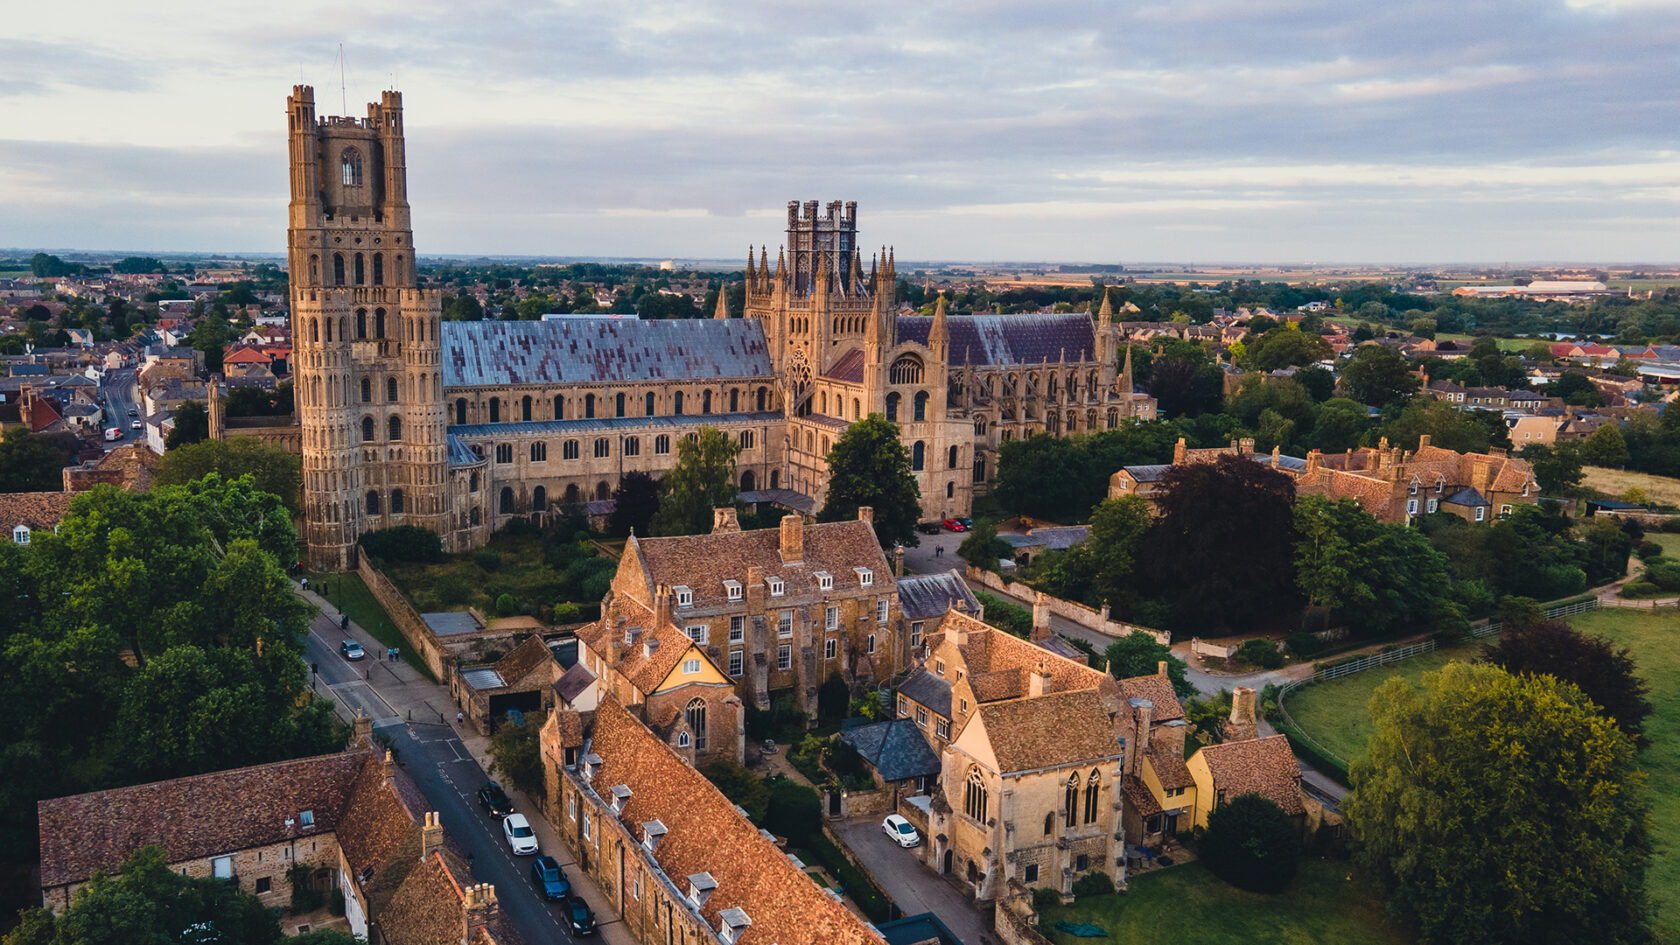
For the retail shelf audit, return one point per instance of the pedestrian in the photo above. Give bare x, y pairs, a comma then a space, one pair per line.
306, 584
458, 718
396, 653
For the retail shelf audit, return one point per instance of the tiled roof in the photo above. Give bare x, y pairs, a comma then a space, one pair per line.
923, 596
38, 510
1466, 497
704, 562
1169, 766
525, 659
194, 817
1158, 690
1139, 797
602, 350
705, 834
989, 650
1010, 683
1046, 731
897, 749
645, 670
849, 368
574, 681
380, 830
983, 340
1263, 766
925, 688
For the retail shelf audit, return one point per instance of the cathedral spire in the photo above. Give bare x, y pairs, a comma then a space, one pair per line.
1105, 316
855, 283
723, 300
939, 335
752, 277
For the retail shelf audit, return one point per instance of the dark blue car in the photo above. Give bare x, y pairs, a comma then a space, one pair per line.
582, 920
550, 879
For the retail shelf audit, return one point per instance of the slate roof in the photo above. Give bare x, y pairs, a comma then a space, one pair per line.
607, 424
1263, 766
705, 833
927, 689
601, 351
897, 749
1047, 731
460, 454
451, 621
1466, 497
573, 682
923, 596
986, 340
195, 817
1151, 472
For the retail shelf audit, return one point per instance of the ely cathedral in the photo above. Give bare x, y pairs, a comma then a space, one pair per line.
461, 426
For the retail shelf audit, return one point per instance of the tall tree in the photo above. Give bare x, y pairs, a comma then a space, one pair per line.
870, 466
1118, 527
272, 469
1377, 375
1605, 447
1605, 674
192, 425
28, 463
1501, 809
1215, 548
635, 503
703, 479
1251, 844
1376, 577
1137, 654
1558, 467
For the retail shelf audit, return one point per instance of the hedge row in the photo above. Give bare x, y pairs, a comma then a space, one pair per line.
1324, 764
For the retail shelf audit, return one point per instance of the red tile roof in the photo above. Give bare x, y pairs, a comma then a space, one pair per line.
1263, 766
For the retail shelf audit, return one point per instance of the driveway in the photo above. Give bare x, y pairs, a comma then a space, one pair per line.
911, 886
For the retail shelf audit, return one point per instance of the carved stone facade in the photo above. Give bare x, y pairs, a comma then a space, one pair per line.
459, 427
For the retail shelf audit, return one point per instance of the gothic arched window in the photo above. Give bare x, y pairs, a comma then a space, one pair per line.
695, 715
892, 407
539, 499
338, 268
367, 391
906, 370
1093, 788
367, 429
974, 795
461, 410
390, 390
361, 270
378, 268
676, 403
373, 503
1070, 803
525, 409
951, 459
921, 405
350, 163
506, 503
378, 320
394, 426
618, 402
918, 455
396, 501
495, 410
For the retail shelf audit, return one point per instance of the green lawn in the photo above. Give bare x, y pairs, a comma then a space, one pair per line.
1515, 345
515, 565
1335, 713
1189, 904
1670, 542
347, 593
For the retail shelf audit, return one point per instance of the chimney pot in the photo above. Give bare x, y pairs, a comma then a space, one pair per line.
725, 520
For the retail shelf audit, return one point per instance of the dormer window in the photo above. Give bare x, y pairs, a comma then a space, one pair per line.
652, 832
1414, 487
1440, 484
700, 888
825, 581
307, 818
732, 589
866, 577
20, 535
777, 587
685, 596
731, 923
621, 795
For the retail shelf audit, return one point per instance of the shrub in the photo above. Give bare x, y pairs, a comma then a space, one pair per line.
833, 697
1646, 550
487, 558
305, 897
567, 612
792, 810
1010, 618
1305, 645
1093, 884
520, 528
1664, 573
1641, 589
1044, 899
403, 543
1261, 653
855, 882
506, 606
1251, 844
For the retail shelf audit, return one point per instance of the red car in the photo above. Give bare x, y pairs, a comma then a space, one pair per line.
952, 524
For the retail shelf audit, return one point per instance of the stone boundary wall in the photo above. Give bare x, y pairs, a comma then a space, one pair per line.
1211, 649
1014, 928
1094, 620
413, 629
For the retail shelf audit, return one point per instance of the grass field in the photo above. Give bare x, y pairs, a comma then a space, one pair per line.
1669, 541
1189, 904
348, 593
1517, 345
1335, 714
1615, 482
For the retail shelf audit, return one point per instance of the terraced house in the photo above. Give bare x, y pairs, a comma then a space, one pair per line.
459, 427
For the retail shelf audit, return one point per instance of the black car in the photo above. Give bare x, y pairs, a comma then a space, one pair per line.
582, 920
928, 528
550, 878
494, 800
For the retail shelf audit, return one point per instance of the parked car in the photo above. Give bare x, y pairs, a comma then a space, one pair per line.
900, 831
966, 522
579, 915
351, 649
928, 528
494, 800
550, 878
522, 840
134, 424
955, 525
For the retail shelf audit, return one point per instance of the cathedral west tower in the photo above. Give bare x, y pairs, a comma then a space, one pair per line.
369, 381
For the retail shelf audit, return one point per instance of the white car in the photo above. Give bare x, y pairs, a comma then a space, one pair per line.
900, 831
522, 840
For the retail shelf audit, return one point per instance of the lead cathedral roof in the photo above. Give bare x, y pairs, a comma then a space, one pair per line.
602, 350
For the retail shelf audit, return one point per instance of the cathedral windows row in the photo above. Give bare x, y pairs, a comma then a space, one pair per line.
906, 370
397, 503
1071, 807
393, 429
362, 323
614, 405
357, 266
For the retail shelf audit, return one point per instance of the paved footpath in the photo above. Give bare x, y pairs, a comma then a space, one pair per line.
448, 762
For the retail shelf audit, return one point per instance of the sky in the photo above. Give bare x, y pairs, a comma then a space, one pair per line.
1197, 131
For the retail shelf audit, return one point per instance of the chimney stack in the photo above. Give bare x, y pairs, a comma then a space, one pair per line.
1040, 617
1242, 725
479, 908
1038, 681
725, 520
866, 514
661, 607
793, 539
390, 765
431, 835
1161, 669
361, 727
1423, 441
1180, 452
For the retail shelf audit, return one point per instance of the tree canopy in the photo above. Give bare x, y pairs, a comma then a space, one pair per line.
1377, 375
1603, 673
1137, 654
702, 479
272, 469
635, 503
1251, 844
1498, 809
28, 463
870, 466
192, 425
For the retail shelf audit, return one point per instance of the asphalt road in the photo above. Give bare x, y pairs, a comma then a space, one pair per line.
449, 777
120, 396
912, 886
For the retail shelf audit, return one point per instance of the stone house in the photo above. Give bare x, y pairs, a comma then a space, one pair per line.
522, 680
1030, 784
1158, 787
23, 515
677, 861
350, 817
778, 609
